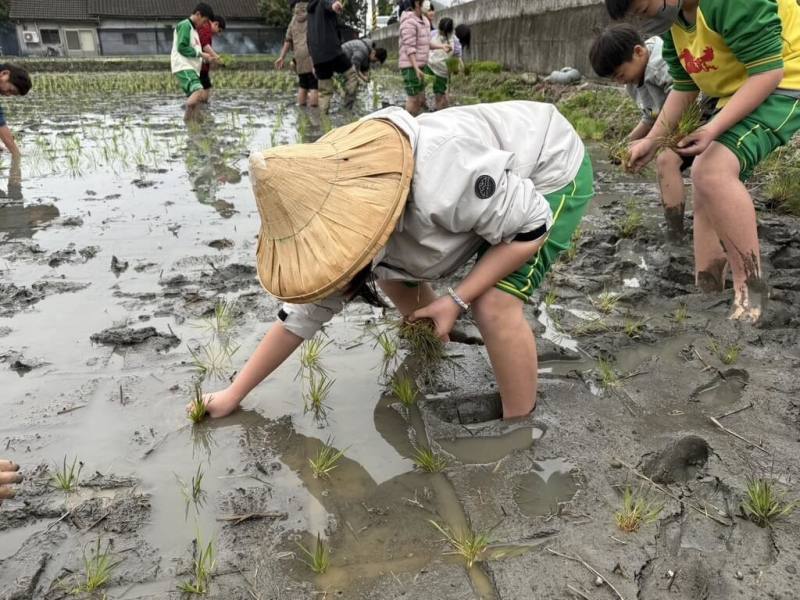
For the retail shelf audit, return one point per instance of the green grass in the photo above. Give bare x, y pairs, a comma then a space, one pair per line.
601, 114
606, 302
680, 314
311, 356
316, 395
550, 298
763, 505
591, 327
388, 345
631, 223
633, 327
326, 460
203, 561
67, 477
319, 559
423, 344
572, 251
197, 407
467, 544
404, 389
730, 354
607, 375
483, 66
428, 461
637, 510
98, 567
192, 491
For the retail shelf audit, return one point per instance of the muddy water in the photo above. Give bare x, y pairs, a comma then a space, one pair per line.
540, 492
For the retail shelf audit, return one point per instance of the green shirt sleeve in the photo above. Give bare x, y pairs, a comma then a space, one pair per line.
681, 81
184, 32
751, 28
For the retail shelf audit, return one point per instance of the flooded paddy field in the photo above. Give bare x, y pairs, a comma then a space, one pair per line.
123, 232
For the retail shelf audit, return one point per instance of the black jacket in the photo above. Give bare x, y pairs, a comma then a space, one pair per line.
323, 31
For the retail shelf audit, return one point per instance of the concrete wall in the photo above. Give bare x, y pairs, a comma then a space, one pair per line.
528, 35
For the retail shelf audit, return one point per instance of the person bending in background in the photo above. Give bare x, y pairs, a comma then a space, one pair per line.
207, 33
14, 81
363, 54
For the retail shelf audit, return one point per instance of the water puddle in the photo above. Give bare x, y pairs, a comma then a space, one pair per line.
724, 390
539, 492
479, 450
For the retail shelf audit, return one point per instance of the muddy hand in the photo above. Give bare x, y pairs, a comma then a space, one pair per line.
642, 152
9, 475
443, 312
219, 404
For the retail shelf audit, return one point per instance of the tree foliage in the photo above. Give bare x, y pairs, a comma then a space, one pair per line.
276, 13
385, 7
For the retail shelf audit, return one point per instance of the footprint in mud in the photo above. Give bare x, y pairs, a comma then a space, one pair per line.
724, 390
540, 492
681, 460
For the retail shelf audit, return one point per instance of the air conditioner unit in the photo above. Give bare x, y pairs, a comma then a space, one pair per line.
30, 37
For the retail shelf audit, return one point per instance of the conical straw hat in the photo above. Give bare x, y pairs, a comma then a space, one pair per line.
329, 207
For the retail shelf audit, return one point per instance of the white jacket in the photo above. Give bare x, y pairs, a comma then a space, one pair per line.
480, 175
186, 48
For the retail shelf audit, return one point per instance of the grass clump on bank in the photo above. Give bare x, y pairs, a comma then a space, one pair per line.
763, 504
98, 566
430, 462
637, 510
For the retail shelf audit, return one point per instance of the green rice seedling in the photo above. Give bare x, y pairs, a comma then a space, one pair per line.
204, 561
730, 354
319, 559
319, 387
606, 302
193, 492
591, 327
637, 510
422, 340
633, 327
404, 389
763, 505
550, 298
67, 477
98, 567
688, 123
572, 251
213, 359
222, 320
388, 345
631, 223
619, 153
608, 376
311, 356
428, 461
326, 460
467, 544
197, 407
680, 314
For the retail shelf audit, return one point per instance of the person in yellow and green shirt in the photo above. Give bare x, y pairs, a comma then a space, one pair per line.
745, 53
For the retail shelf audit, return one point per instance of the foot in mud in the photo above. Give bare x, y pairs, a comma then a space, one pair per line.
712, 278
750, 301
9, 475
674, 218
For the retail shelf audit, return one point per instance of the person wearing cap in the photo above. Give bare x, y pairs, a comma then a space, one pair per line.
405, 202
9, 475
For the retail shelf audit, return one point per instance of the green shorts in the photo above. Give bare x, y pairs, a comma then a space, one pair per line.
768, 127
568, 205
412, 83
439, 83
189, 81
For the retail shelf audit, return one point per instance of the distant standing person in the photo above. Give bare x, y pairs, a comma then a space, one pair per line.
188, 56
464, 37
362, 54
14, 81
415, 44
297, 41
326, 51
438, 60
207, 33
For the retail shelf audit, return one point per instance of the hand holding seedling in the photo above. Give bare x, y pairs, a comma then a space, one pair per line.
443, 312
9, 475
642, 152
696, 142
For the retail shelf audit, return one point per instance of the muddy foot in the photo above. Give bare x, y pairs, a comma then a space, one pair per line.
712, 278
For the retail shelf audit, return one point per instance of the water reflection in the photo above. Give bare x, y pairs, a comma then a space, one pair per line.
209, 166
18, 220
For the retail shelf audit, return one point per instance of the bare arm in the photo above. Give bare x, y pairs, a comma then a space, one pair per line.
8, 141
642, 129
282, 58
276, 346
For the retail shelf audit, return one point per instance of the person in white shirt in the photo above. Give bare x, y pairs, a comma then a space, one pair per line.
406, 202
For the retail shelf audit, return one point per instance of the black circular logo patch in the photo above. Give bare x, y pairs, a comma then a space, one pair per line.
485, 187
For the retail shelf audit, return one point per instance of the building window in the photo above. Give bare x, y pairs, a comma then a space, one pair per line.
50, 36
73, 40
130, 39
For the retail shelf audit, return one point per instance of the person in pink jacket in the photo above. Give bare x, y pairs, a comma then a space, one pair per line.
415, 44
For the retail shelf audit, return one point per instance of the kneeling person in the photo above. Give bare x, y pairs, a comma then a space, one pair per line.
507, 182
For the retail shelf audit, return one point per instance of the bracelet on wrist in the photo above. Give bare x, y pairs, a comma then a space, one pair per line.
458, 299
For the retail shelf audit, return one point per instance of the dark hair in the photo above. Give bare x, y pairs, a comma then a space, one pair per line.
362, 286
18, 77
446, 26
617, 9
380, 54
220, 21
613, 47
205, 10
464, 35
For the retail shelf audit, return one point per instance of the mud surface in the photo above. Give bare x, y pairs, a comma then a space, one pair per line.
112, 263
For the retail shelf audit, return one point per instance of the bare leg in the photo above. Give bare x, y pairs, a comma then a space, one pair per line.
408, 299
302, 94
313, 97
727, 204
668, 165
412, 105
192, 103
512, 350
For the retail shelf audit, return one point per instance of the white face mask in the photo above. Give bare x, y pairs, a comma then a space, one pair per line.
662, 22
